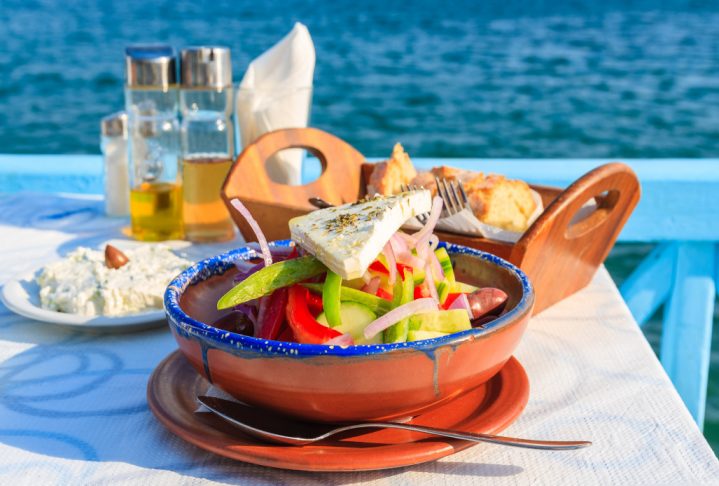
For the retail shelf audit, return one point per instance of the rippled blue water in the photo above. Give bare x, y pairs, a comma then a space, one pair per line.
615, 78
511, 79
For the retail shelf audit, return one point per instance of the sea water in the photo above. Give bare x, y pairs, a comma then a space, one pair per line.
514, 78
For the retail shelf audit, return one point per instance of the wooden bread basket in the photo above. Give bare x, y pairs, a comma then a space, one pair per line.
558, 253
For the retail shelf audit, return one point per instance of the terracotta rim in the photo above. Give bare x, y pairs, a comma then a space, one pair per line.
228, 340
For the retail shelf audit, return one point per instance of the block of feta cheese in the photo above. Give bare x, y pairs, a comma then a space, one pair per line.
348, 238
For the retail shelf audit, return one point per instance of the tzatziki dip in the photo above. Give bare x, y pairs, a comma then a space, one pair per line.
83, 284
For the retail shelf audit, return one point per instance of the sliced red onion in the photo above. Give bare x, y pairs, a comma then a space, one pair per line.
422, 235
411, 260
461, 302
391, 263
397, 314
261, 310
408, 239
436, 266
275, 251
266, 255
343, 340
433, 241
367, 277
399, 243
372, 286
429, 278
245, 271
243, 266
249, 311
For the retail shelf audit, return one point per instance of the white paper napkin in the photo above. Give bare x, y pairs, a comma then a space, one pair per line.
276, 92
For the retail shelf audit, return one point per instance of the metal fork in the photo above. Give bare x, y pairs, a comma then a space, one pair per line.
422, 218
454, 197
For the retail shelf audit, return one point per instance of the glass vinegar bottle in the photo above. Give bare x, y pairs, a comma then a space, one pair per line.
207, 141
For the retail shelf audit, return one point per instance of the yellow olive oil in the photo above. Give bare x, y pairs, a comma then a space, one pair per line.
156, 211
204, 213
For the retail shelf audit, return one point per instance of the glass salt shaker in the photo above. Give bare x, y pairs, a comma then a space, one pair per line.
113, 143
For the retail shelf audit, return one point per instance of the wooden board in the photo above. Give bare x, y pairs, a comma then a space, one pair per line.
274, 204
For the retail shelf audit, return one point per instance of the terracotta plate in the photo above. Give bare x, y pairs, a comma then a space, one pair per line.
490, 408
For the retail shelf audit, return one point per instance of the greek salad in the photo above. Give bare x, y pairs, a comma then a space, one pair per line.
353, 277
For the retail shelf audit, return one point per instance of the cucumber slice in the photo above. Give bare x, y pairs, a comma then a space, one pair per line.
449, 321
419, 335
397, 293
397, 333
355, 317
461, 288
443, 291
418, 275
446, 263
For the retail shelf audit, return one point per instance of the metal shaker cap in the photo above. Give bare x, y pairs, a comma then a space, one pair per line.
205, 67
150, 66
114, 125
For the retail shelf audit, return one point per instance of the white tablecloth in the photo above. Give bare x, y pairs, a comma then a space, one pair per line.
73, 407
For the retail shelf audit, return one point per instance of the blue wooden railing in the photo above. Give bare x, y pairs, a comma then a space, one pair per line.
679, 211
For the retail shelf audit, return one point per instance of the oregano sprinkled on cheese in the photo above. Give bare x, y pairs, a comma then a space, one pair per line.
347, 238
341, 222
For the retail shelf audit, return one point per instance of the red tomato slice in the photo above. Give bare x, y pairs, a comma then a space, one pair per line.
450, 298
384, 294
378, 267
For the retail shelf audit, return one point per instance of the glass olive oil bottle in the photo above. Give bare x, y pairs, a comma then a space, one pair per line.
151, 102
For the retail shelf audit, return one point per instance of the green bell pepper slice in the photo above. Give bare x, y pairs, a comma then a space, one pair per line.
331, 298
376, 304
267, 280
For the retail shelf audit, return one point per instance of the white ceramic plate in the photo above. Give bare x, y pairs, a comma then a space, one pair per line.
22, 296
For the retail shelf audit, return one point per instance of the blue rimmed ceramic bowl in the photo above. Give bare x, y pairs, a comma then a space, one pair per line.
355, 383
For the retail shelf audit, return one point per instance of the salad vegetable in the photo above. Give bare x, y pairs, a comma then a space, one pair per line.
331, 298
271, 278
407, 293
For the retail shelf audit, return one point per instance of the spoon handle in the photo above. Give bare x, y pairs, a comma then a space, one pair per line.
552, 445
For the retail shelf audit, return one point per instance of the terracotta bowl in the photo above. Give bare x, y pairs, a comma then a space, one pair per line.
355, 383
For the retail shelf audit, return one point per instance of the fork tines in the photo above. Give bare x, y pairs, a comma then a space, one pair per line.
422, 218
454, 197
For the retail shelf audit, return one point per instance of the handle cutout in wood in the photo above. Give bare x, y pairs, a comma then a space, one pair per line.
338, 183
276, 165
593, 212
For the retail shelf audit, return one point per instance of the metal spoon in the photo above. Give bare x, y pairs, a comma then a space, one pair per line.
271, 427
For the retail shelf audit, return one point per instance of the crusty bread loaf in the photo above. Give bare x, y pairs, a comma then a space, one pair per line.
495, 200
501, 202
388, 176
